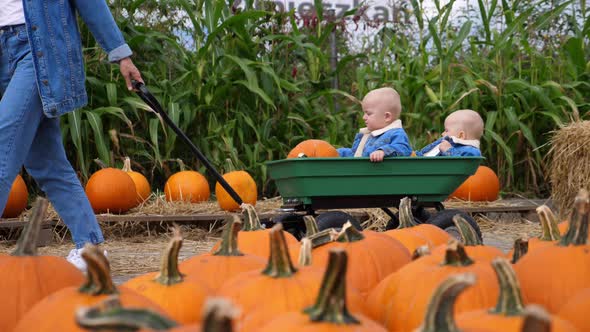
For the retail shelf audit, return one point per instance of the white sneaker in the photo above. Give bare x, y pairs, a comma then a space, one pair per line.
75, 257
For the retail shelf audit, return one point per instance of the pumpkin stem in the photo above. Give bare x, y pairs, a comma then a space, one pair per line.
126, 165
27, 241
421, 251
330, 305
577, 232
100, 163
219, 314
322, 237
305, 252
99, 281
455, 254
110, 315
349, 234
468, 233
406, 219
439, 315
229, 238
229, 166
311, 226
279, 263
510, 297
521, 247
536, 319
181, 165
169, 273
548, 224
251, 219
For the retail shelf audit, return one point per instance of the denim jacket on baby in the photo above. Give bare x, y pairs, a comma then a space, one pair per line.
459, 147
392, 140
56, 48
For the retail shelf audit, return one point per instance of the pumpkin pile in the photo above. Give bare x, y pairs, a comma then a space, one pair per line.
409, 279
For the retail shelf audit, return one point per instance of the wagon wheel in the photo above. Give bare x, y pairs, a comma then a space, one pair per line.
292, 223
336, 219
444, 220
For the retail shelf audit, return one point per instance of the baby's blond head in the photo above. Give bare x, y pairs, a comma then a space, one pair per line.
381, 107
466, 123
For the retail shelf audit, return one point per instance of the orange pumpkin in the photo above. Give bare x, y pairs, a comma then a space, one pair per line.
508, 314
313, 148
372, 256
551, 275
142, 186
111, 190
17, 198
276, 283
576, 309
243, 184
56, 312
253, 238
182, 300
413, 235
484, 185
186, 186
215, 268
416, 282
550, 235
27, 278
330, 311
472, 243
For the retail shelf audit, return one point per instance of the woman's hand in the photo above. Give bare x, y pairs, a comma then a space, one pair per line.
129, 72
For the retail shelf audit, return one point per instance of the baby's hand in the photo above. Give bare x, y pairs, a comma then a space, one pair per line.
377, 156
444, 146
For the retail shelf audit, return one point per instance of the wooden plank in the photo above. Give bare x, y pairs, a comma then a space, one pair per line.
15, 223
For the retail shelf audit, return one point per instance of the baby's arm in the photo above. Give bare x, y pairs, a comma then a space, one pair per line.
349, 152
463, 151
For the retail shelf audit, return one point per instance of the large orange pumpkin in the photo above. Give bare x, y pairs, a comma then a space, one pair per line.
142, 186
415, 283
413, 235
26, 278
576, 310
243, 184
215, 268
313, 148
330, 311
372, 256
181, 299
484, 185
56, 312
253, 238
17, 199
111, 190
508, 315
187, 186
551, 275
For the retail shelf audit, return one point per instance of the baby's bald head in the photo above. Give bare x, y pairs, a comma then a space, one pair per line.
468, 121
384, 100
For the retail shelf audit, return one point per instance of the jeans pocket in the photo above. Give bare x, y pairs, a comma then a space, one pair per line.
21, 35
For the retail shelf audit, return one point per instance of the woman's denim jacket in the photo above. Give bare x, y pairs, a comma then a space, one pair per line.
56, 48
456, 149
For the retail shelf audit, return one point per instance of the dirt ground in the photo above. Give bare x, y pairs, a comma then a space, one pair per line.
140, 253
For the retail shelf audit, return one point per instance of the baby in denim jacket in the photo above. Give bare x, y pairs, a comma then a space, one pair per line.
463, 130
384, 135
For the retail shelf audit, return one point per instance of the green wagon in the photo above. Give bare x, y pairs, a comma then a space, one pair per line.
310, 184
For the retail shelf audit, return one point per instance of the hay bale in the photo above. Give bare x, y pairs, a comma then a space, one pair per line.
569, 164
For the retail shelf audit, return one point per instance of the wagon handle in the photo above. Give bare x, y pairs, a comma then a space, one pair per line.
152, 102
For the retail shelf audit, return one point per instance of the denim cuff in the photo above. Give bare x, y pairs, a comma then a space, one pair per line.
119, 53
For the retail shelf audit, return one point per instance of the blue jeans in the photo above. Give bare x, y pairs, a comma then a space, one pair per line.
29, 137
